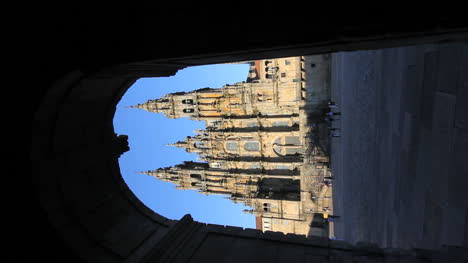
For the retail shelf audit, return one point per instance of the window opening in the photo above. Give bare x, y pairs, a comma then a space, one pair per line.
232, 146
280, 124
252, 146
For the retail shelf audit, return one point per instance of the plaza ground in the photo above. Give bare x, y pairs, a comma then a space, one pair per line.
401, 163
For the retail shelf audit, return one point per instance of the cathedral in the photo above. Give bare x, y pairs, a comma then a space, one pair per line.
253, 148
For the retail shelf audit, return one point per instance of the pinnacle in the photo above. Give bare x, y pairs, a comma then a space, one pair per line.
138, 106
147, 172
179, 144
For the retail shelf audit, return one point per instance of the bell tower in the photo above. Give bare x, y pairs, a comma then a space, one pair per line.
202, 104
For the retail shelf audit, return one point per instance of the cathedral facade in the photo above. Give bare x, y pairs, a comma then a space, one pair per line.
253, 146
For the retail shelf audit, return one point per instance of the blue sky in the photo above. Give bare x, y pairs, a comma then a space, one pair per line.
150, 132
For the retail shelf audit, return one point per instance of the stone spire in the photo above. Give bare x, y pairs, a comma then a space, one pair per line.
179, 144
188, 175
162, 174
162, 105
197, 144
174, 105
145, 106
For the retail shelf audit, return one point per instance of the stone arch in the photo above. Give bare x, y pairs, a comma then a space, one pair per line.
74, 140
74, 149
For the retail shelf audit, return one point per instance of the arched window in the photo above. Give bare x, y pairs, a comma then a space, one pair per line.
188, 110
292, 140
252, 146
231, 146
288, 145
215, 164
294, 150
187, 101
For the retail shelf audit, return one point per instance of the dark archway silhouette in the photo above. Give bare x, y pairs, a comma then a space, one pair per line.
74, 205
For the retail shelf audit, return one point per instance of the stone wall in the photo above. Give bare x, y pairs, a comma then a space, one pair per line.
317, 80
77, 176
190, 241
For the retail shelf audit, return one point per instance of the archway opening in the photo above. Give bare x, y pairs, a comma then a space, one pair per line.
240, 119
153, 137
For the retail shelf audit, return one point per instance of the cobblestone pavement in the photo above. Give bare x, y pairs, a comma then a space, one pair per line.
401, 163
